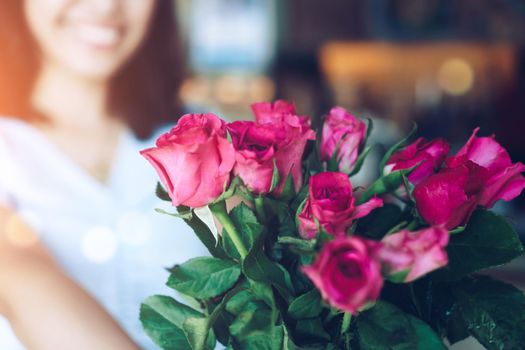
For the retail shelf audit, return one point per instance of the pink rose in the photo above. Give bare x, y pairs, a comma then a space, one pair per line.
346, 273
332, 204
501, 178
193, 160
410, 255
481, 173
429, 155
267, 112
342, 133
447, 198
258, 145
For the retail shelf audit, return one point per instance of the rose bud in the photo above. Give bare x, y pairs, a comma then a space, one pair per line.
193, 160
346, 273
408, 255
261, 145
345, 134
501, 178
428, 156
331, 203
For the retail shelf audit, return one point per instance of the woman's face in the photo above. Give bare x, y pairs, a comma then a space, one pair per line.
90, 38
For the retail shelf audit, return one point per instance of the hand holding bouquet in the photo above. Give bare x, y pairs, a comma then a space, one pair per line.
307, 261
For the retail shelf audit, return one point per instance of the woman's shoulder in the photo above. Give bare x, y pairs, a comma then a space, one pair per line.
11, 129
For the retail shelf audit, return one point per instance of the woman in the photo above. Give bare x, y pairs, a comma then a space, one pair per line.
83, 85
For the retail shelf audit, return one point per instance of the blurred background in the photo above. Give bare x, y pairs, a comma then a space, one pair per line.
450, 66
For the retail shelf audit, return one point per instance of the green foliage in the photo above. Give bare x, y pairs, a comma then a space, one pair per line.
380, 221
204, 277
204, 234
488, 240
387, 183
163, 318
307, 305
385, 326
493, 312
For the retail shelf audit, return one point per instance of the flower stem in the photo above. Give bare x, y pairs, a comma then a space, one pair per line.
220, 212
259, 208
347, 318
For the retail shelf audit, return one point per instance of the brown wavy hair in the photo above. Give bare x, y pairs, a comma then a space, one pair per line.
143, 92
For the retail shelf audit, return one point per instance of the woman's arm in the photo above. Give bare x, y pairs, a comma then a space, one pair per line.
46, 309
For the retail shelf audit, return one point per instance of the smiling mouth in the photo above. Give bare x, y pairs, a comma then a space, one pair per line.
98, 36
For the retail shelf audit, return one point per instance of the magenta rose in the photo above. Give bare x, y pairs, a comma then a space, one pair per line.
447, 198
259, 145
345, 134
331, 203
481, 173
408, 255
193, 160
501, 178
428, 156
347, 274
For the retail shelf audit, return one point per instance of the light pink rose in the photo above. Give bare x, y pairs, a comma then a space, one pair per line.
410, 255
277, 137
193, 160
345, 134
429, 155
346, 273
332, 204
481, 173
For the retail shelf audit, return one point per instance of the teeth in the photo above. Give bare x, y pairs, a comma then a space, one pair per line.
98, 35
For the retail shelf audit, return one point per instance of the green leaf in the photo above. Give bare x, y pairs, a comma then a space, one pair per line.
184, 215
253, 329
488, 240
387, 183
379, 222
204, 234
311, 330
204, 277
162, 193
360, 161
236, 304
384, 326
258, 267
307, 305
288, 189
493, 311
246, 222
275, 177
197, 329
397, 147
441, 308
162, 318
369, 129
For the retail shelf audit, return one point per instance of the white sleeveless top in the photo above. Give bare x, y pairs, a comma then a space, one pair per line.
107, 237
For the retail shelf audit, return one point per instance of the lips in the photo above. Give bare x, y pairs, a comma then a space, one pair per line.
99, 36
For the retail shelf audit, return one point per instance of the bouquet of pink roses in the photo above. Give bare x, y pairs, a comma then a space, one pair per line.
307, 261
